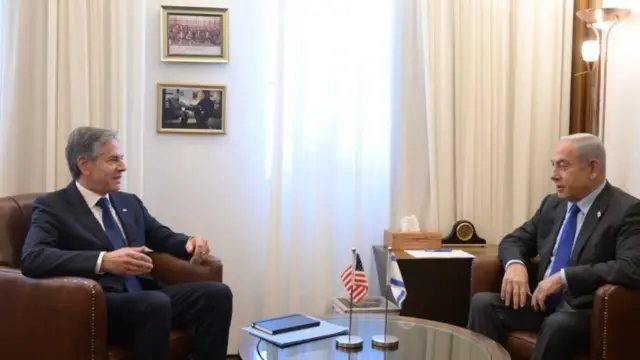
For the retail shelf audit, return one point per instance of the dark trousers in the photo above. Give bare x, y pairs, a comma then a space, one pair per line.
144, 319
561, 334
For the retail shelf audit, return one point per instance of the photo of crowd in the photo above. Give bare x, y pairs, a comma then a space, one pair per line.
194, 35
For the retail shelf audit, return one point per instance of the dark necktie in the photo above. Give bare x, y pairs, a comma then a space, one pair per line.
117, 240
563, 252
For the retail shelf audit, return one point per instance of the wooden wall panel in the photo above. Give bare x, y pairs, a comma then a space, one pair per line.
580, 81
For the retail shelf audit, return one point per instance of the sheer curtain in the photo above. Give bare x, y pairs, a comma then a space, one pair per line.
1, 55
65, 63
328, 146
485, 89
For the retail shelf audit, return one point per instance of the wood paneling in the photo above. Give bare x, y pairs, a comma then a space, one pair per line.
580, 119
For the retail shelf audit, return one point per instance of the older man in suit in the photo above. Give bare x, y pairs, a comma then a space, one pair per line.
91, 229
587, 234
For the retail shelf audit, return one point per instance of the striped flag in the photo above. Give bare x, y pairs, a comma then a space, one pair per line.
361, 283
396, 282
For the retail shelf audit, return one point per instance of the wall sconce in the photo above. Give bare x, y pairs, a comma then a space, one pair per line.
594, 54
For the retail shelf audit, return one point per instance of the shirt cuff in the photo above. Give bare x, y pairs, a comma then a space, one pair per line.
564, 278
99, 263
511, 262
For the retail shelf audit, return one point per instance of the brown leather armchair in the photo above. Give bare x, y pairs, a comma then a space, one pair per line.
65, 318
614, 322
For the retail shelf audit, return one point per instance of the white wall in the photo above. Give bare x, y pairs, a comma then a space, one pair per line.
622, 131
212, 185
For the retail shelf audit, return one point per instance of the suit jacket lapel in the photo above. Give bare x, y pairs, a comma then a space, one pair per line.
125, 221
591, 221
85, 216
559, 214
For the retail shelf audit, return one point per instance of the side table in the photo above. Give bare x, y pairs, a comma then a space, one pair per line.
437, 289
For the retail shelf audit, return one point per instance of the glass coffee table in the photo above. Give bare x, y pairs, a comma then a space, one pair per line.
418, 339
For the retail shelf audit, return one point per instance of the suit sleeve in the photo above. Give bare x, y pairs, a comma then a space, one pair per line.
161, 238
623, 271
521, 245
40, 255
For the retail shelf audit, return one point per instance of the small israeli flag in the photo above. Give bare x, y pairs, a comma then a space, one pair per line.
395, 281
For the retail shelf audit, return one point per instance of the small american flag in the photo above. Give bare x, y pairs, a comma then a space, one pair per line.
361, 283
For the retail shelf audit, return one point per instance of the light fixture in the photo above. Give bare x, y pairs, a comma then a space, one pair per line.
594, 54
590, 51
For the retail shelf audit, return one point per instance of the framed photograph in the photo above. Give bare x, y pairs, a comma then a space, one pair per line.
191, 108
194, 34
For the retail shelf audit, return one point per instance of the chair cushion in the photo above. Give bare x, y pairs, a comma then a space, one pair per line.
178, 342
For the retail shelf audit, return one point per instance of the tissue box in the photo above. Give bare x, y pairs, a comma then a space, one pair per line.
412, 240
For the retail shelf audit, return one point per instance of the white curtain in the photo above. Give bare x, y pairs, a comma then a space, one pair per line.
65, 63
485, 91
328, 147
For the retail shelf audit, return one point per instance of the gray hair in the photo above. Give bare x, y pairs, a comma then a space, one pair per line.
86, 141
588, 147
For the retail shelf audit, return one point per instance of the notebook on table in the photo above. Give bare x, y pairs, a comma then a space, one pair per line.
284, 324
324, 330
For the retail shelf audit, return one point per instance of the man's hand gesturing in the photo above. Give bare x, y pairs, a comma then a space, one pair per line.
515, 286
198, 248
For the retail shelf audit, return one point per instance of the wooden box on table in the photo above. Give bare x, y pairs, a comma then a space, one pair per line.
412, 240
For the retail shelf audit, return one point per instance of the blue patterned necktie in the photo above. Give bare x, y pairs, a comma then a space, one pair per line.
563, 252
117, 240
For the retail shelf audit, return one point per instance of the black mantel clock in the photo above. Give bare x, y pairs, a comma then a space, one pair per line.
463, 233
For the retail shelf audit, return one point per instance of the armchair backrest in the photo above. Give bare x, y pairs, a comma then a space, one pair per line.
15, 219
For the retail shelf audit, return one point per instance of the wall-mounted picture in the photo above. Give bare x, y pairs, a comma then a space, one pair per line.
191, 108
194, 34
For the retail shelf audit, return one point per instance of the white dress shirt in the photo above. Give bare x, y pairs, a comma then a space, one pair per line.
92, 201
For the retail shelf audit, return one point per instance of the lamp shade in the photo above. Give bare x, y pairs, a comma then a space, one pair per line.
602, 18
590, 50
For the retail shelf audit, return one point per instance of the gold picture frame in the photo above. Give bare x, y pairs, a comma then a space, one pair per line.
194, 34
191, 108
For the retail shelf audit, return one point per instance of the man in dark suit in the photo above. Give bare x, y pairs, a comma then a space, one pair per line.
587, 235
91, 229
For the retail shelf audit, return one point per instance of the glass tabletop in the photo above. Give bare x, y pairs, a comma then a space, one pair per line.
418, 339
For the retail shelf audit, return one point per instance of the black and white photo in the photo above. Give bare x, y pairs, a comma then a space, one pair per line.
191, 108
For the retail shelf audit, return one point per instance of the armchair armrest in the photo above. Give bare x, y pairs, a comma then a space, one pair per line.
486, 274
171, 270
62, 318
614, 323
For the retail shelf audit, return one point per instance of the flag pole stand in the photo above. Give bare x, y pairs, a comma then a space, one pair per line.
350, 342
386, 341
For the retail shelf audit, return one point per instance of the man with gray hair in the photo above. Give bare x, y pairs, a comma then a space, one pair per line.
91, 229
586, 235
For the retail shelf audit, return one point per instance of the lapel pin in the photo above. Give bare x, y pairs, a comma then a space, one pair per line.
125, 210
598, 214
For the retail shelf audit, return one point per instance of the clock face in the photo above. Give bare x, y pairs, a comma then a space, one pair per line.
464, 231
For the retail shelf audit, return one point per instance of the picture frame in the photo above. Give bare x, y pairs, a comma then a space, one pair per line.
191, 108
194, 34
